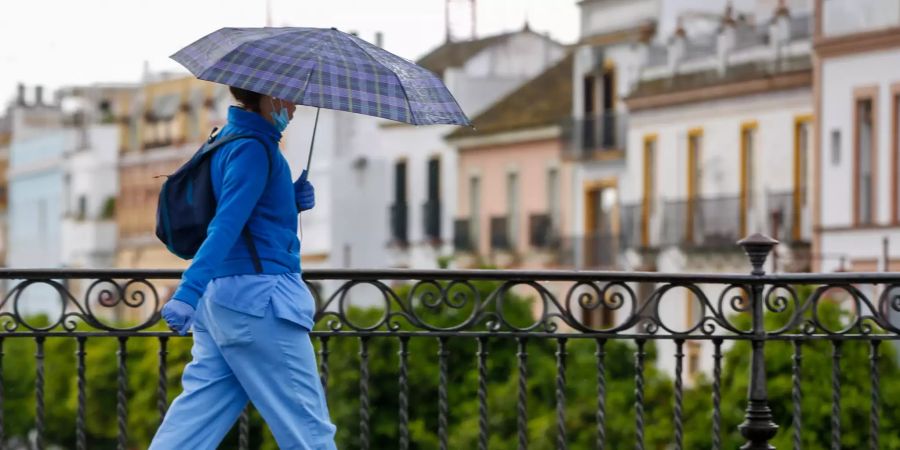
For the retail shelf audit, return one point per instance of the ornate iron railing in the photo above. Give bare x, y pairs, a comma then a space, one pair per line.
587, 137
562, 302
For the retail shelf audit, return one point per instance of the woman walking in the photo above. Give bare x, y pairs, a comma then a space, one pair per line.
251, 316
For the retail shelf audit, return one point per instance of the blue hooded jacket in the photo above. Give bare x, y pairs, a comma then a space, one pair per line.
245, 195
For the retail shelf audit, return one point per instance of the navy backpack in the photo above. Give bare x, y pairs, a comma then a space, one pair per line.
187, 203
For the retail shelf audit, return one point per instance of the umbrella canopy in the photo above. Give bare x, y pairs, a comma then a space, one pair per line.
324, 68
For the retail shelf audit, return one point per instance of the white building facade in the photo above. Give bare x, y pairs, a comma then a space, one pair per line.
62, 184
605, 70
858, 106
717, 147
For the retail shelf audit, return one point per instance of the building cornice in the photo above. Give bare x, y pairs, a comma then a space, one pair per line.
857, 42
508, 137
637, 33
766, 84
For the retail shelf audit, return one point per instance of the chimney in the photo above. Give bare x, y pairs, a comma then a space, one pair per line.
379, 39
780, 27
474, 20
782, 9
20, 96
727, 38
677, 46
448, 37
39, 95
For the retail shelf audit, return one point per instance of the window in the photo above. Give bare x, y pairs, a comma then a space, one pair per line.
863, 175
399, 208
434, 179
601, 223
748, 174
801, 160
649, 197
609, 96
82, 207
835, 147
802, 134
400, 182
474, 210
695, 143
590, 97
433, 204
553, 198
589, 130
512, 202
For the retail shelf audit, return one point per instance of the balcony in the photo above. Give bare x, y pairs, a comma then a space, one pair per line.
595, 137
631, 232
591, 251
701, 222
511, 366
789, 219
715, 222
431, 213
399, 226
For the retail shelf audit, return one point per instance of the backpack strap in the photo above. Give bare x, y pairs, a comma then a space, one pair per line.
248, 239
213, 144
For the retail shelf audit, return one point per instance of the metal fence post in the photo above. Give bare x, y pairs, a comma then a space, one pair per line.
758, 427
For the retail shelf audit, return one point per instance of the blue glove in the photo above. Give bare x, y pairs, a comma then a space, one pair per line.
179, 315
304, 193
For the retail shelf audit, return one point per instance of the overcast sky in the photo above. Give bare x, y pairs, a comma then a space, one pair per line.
64, 42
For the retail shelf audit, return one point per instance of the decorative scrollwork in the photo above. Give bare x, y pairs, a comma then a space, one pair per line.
63, 311
594, 299
776, 302
889, 307
527, 302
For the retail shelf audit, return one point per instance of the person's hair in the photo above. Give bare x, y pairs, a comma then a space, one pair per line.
248, 100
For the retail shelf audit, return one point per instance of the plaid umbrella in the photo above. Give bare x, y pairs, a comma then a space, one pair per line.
323, 68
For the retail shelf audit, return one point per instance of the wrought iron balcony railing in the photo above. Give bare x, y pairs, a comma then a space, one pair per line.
589, 136
712, 221
471, 319
702, 222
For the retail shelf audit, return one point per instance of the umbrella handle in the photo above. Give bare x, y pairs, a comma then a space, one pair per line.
312, 143
305, 174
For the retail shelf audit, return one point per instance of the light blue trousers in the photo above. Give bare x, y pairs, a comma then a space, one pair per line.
237, 357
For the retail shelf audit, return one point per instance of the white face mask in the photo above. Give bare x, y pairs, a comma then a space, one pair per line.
280, 118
